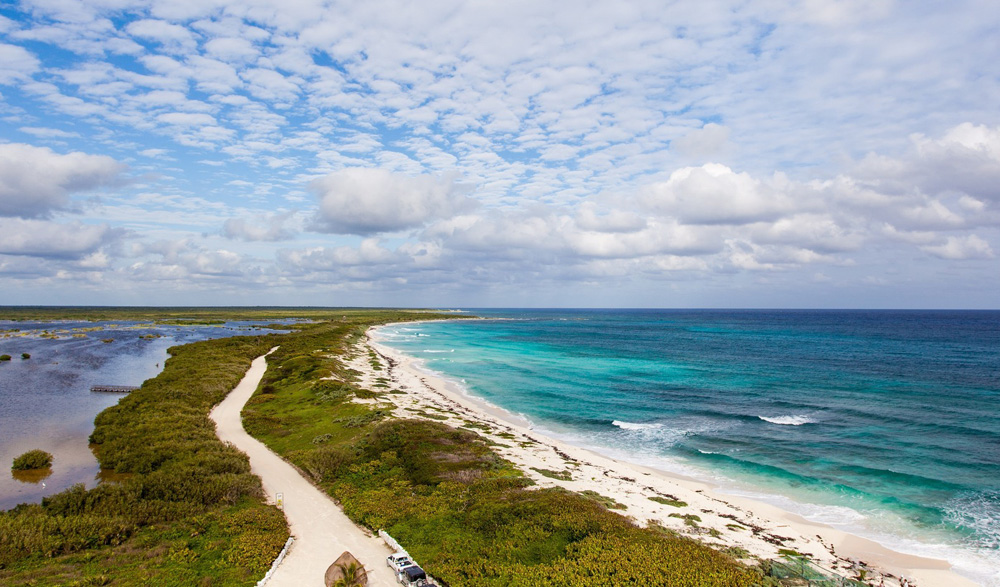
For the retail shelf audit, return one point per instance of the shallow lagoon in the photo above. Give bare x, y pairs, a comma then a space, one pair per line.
46, 402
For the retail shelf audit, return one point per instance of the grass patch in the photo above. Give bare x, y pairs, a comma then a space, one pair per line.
790, 552
551, 474
669, 501
424, 414
605, 501
689, 519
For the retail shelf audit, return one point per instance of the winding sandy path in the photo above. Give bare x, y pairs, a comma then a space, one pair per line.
320, 528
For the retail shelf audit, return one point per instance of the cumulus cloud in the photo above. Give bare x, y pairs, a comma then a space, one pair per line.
966, 160
264, 228
40, 238
715, 194
369, 253
961, 247
35, 181
367, 201
653, 143
16, 64
171, 36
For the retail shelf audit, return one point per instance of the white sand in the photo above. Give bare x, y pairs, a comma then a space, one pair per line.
321, 530
725, 521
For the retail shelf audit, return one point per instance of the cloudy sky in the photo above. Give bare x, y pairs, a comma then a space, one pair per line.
695, 153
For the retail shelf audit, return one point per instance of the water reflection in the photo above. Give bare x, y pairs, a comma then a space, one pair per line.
46, 402
35, 476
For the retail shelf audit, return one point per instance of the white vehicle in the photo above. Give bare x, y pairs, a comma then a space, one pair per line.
397, 561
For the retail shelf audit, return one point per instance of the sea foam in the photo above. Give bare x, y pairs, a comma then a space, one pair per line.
795, 420
637, 426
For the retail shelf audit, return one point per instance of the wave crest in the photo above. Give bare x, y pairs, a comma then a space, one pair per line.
794, 420
636, 426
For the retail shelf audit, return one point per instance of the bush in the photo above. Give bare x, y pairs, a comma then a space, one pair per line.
33, 459
457, 506
4, 357
175, 470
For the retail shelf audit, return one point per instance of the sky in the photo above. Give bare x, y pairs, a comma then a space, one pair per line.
709, 153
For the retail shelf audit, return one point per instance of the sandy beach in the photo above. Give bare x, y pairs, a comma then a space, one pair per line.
648, 496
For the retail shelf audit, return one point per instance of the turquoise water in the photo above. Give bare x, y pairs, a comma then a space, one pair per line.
884, 423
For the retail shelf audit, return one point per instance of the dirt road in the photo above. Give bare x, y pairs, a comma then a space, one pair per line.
321, 530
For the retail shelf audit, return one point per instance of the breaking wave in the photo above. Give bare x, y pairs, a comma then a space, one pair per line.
797, 420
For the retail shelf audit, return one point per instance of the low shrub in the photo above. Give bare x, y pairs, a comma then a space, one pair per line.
174, 472
669, 501
464, 512
33, 459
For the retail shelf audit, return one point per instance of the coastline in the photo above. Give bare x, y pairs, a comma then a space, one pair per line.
737, 523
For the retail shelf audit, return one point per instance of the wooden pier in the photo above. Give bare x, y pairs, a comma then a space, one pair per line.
113, 388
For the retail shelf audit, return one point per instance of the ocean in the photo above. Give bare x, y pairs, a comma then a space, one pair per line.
882, 423
46, 402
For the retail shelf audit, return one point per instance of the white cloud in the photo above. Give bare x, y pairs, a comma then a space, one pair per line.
40, 238
965, 160
187, 119
48, 133
268, 84
16, 64
369, 201
174, 38
264, 228
959, 248
707, 142
35, 181
645, 142
715, 194
231, 49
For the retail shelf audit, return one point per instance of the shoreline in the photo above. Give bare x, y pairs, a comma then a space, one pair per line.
740, 524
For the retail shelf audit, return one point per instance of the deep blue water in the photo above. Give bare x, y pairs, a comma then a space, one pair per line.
886, 423
46, 402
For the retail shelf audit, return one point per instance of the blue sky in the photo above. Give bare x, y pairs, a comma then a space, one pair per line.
752, 153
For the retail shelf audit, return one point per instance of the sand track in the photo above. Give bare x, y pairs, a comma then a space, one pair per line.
321, 530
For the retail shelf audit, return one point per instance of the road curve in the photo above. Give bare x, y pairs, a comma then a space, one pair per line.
321, 530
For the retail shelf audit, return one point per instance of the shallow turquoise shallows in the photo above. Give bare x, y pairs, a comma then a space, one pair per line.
885, 423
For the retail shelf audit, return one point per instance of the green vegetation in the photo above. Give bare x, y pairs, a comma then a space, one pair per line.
604, 500
790, 552
669, 501
560, 475
689, 519
465, 513
25, 356
33, 459
4, 357
188, 315
186, 510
